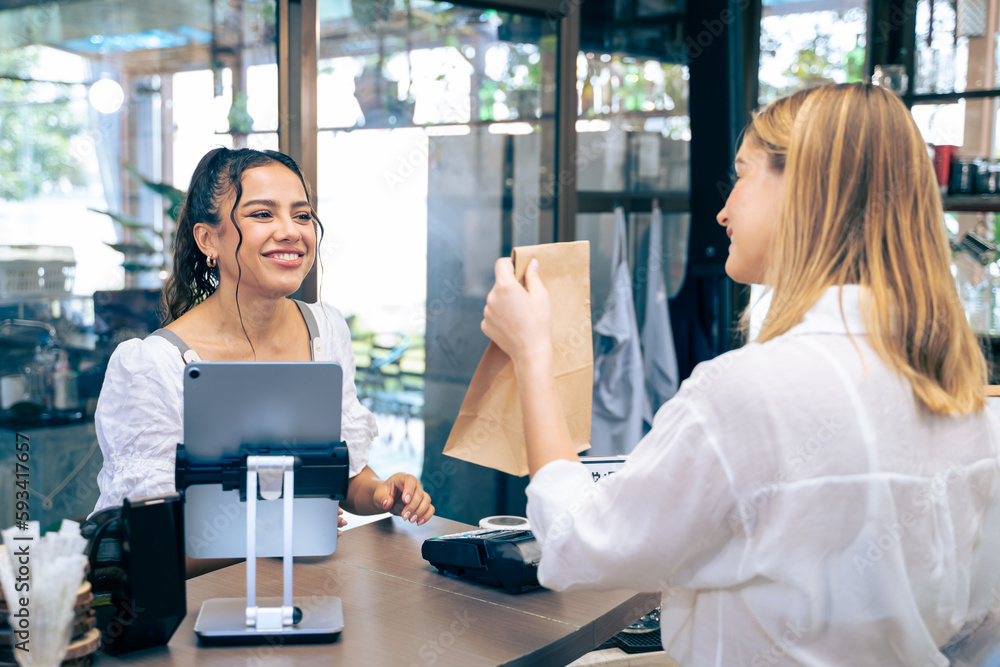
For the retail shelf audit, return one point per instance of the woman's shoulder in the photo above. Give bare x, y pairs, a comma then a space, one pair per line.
152, 354
782, 369
329, 319
733, 369
325, 309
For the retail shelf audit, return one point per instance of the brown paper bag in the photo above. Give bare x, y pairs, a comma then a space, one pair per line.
489, 429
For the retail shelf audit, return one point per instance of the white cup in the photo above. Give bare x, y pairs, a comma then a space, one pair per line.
505, 522
11, 391
66, 396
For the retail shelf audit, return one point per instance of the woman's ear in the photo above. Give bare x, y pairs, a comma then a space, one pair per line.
206, 238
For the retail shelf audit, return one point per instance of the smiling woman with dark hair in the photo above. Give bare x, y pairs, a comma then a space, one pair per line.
245, 240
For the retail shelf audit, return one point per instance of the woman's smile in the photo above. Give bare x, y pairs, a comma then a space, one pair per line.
286, 258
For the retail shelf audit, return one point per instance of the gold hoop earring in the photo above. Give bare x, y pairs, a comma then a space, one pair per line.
211, 261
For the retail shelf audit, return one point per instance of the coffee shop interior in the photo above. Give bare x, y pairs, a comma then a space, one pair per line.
437, 136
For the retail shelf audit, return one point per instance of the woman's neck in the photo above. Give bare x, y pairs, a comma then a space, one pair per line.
262, 319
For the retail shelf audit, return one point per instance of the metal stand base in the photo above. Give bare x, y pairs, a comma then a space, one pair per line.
239, 621
222, 622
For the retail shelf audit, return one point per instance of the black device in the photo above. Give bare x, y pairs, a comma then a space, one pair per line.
137, 572
321, 470
504, 558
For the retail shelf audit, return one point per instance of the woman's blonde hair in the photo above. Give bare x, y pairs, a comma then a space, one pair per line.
861, 206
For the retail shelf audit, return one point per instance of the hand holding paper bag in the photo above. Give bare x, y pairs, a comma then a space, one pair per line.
489, 430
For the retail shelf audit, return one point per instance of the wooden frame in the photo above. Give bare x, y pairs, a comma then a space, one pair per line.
298, 114
298, 65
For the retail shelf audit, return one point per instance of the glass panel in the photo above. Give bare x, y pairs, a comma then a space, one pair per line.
95, 97
810, 44
599, 229
436, 156
50, 172
634, 128
112, 86
955, 47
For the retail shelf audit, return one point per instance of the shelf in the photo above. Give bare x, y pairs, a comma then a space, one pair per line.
971, 203
598, 201
944, 98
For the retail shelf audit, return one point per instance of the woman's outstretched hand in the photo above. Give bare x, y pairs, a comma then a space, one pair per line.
403, 496
519, 318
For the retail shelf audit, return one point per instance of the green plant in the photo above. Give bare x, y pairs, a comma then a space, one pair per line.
35, 153
145, 238
240, 121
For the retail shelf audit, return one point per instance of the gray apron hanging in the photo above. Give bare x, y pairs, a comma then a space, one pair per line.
658, 354
619, 386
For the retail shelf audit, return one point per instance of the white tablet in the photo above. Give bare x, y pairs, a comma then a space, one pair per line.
229, 403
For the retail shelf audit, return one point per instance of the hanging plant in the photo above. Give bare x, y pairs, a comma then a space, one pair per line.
368, 13
240, 121
145, 252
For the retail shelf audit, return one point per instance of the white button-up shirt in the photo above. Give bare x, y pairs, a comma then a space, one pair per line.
795, 505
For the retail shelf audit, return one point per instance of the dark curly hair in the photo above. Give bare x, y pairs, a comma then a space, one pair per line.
221, 169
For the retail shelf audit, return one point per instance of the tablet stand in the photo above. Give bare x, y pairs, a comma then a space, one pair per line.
241, 621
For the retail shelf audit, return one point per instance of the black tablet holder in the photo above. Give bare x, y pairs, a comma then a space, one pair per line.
269, 472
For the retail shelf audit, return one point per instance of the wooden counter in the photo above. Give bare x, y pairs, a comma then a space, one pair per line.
399, 611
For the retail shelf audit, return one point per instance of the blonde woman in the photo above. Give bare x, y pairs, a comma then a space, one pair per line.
827, 494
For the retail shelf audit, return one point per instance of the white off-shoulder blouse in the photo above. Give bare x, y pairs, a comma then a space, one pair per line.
140, 412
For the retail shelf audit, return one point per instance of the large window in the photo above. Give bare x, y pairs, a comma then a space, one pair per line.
99, 95
805, 44
956, 47
634, 133
436, 151
50, 167
102, 104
